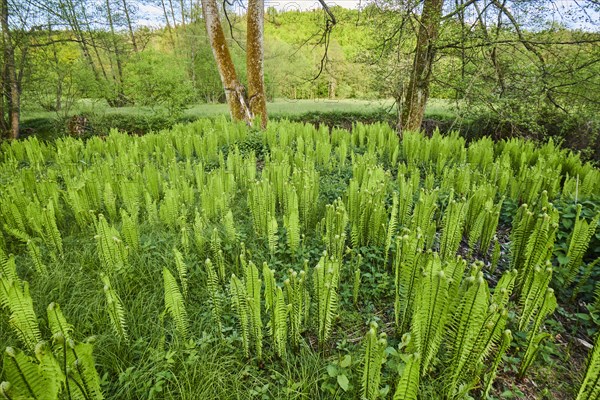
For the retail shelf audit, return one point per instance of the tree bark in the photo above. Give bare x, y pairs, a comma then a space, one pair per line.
12, 92
234, 90
417, 92
118, 79
255, 60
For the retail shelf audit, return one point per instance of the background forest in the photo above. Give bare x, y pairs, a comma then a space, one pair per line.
499, 68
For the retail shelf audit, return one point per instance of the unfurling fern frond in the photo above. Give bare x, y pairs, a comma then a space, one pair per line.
115, 309
82, 374
408, 385
372, 362
431, 312
174, 303
272, 233
30, 379
356, 286
57, 322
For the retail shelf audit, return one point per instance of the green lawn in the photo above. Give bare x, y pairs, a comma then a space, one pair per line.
279, 107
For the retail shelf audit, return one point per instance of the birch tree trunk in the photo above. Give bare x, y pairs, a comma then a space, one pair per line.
417, 92
234, 90
255, 60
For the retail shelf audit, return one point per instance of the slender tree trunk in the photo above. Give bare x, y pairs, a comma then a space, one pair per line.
130, 26
14, 97
120, 101
234, 90
417, 92
255, 60
164, 7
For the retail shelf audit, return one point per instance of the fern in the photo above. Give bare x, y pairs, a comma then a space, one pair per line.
111, 251
392, 224
36, 256
181, 271
57, 322
356, 285
579, 242
115, 309
326, 280
212, 284
239, 300
452, 226
407, 278
131, 231
408, 385
491, 375
279, 322
16, 299
253, 287
174, 303
534, 338
31, 379
431, 312
296, 294
590, 387
372, 362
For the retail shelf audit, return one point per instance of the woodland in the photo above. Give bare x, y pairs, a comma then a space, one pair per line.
204, 200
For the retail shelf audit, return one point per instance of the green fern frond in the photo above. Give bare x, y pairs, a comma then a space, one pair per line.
174, 303
27, 377
253, 288
408, 385
181, 271
579, 242
279, 322
212, 284
22, 315
372, 362
115, 309
239, 299
431, 312
465, 325
590, 387
491, 375
57, 322
546, 308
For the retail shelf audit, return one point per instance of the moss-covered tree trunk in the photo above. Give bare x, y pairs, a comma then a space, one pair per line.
255, 59
242, 107
11, 85
234, 90
417, 92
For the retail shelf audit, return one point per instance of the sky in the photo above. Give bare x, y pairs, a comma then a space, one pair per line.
561, 10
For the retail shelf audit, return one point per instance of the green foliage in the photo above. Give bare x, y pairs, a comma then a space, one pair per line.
372, 362
590, 389
174, 303
115, 310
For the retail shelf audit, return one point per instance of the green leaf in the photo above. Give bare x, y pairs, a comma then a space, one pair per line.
346, 361
342, 380
332, 370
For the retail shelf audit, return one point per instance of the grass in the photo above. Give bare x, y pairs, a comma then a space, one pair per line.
277, 107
